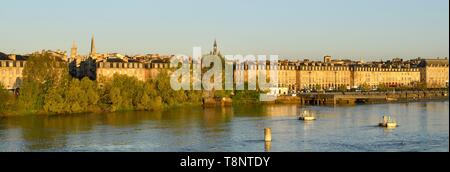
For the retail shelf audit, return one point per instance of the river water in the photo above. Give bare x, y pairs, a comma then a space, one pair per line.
424, 126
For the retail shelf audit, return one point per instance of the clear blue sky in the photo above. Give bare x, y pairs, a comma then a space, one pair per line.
367, 29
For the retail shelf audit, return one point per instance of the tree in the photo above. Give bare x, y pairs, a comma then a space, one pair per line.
365, 87
383, 87
74, 97
419, 85
246, 95
169, 96
5, 99
54, 101
123, 93
342, 88
148, 98
90, 92
41, 74
116, 99
194, 96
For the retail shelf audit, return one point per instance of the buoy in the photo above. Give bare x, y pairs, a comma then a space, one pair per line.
267, 135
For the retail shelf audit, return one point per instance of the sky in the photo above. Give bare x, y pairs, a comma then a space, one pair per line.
293, 29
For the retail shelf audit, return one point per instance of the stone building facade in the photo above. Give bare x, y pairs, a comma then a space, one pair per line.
287, 75
323, 75
142, 71
106, 70
329, 75
434, 72
11, 73
391, 77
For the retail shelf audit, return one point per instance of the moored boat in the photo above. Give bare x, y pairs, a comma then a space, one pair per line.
307, 116
388, 122
391, 99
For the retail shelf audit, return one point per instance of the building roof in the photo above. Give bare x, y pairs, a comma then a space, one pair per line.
20, 57
433, 62
133, 61
114, 60
3, 56
159, 61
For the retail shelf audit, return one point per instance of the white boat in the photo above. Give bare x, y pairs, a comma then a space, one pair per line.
391, 99
307, 116
388, 122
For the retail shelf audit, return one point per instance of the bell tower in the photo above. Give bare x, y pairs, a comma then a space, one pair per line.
73, 51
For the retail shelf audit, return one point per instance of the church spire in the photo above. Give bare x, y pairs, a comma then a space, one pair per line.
215, 48
92, 53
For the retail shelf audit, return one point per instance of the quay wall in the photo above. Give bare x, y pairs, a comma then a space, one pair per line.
363, 98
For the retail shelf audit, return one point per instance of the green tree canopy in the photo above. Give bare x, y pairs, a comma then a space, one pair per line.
41, 73
5, 99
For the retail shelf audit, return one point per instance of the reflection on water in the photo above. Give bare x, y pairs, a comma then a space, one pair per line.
267, 146
423, 127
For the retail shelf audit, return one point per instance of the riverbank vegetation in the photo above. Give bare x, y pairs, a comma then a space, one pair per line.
6, 100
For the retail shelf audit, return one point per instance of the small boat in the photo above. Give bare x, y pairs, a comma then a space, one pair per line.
307, 116
388, 122
391, 99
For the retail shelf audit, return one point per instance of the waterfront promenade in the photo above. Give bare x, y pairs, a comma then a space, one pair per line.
351, 98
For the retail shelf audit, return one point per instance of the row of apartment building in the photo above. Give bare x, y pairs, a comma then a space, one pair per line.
293, 76
432, 72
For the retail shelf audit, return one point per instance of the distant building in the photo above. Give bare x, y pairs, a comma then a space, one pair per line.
434, 72
74, 57
374, 76
11, 68
333, 75
106, 70
83, 66
312, 75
